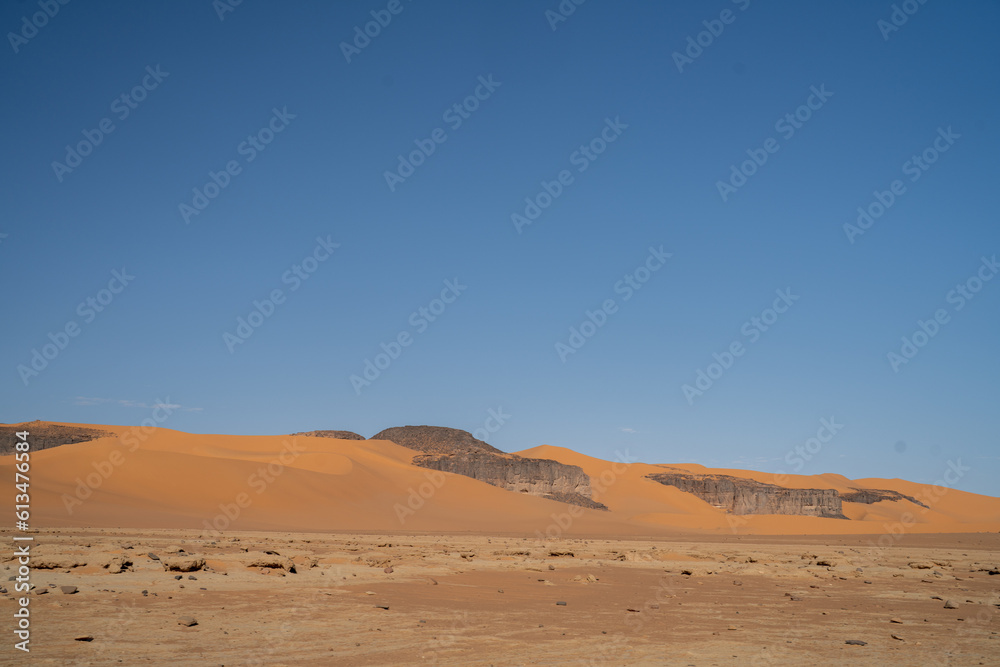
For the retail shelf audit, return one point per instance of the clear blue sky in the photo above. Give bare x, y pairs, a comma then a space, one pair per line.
609, 68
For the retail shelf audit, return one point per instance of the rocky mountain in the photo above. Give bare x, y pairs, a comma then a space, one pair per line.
43, 435
340, 435
746, 496
456, 451
435, 440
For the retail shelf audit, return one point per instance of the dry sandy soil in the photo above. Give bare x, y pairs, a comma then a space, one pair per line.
454, 599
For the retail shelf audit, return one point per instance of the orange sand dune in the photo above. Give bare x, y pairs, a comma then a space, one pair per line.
160, 478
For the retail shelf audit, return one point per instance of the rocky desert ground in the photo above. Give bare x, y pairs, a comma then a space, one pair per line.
182, 597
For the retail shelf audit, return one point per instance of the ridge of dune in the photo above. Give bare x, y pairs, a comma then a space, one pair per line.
155, 477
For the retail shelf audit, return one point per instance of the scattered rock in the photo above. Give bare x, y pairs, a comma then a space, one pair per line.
153, 556
563, 604
186, 621
273, 562
183, 564
856, 642
826, 563
552, 567
737, 582
895, 636
591, 579
732, 627
68, 590
950, 605
179, 577
118, 564
388, 570
922, 565
44, 563
895, 620
84, 638
382, 606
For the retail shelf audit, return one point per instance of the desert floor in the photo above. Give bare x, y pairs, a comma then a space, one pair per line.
394, 599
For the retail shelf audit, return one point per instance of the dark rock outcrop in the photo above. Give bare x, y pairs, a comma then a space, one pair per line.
435, 440
456, 451
746, 496
871, 496
340, 435
43, 435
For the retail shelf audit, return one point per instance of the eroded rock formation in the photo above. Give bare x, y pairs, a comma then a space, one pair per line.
456, 451
870, 496
340, 435
43, 435
435, 440
747, 496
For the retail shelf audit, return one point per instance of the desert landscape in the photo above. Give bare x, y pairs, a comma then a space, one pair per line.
424, 545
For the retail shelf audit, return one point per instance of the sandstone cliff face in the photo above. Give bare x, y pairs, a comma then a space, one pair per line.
746, 496
514, 473
870, 496
456, 451
340, 435
42, 435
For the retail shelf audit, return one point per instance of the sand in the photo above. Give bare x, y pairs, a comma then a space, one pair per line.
395, 564
467, 599
159, 478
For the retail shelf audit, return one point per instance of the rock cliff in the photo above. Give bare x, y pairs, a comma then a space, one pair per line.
870, 496
43, 435
746, 496
455, 451
340, 435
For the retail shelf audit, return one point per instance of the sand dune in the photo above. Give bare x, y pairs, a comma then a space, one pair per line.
160, 478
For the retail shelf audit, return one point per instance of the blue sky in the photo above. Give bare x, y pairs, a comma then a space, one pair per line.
642, 139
